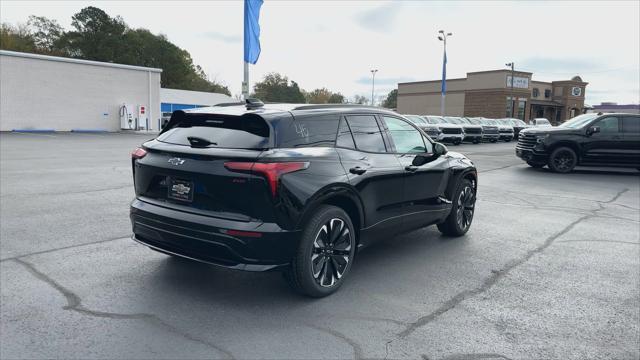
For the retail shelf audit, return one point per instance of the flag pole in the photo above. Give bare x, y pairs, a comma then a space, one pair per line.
245, 83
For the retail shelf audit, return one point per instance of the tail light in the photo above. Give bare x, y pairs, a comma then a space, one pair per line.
271, 171
138, 153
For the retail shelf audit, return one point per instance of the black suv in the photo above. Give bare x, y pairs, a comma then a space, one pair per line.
586, 140
293, 187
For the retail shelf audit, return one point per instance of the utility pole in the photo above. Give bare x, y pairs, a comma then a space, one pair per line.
443, 37
513, 100
373, 85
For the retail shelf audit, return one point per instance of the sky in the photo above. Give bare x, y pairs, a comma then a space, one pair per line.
335, 44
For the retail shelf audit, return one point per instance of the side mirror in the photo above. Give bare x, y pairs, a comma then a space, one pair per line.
592, 130
439, 149
421, 159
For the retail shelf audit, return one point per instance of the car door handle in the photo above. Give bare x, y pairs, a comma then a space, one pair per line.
357, 170
411, 168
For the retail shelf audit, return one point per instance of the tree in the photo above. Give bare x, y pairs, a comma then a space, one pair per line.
276, 88
98, 36
323, 96
16, 39
392, 100
359, 99
336, 98
46, 34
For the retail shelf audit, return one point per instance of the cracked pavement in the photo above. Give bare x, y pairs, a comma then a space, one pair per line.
550, 269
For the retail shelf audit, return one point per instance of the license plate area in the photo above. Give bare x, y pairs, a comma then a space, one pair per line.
180, 189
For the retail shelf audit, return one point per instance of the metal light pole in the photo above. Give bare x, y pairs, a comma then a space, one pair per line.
513, 100
373, 84
443, 37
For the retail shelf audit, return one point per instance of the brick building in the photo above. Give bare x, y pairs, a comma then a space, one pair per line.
489, 94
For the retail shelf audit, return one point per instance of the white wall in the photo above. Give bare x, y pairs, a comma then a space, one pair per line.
187, 97
46, 92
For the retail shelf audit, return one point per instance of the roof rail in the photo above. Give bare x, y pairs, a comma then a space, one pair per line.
322, 106
229, 104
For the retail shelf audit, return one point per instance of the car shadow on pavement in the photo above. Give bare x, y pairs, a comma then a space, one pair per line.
397, 258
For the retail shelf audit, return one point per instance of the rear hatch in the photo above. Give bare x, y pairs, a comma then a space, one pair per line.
184, 167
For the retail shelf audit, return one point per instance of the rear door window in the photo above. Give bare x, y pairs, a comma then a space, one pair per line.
631, 124
308, 131
211, 130
366, 133
345, 139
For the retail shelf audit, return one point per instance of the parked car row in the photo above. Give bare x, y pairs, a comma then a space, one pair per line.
455, 129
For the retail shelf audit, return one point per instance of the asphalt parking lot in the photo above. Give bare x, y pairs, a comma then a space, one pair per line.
549, 269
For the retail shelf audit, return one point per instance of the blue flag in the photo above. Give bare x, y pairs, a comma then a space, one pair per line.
444, 73
252, 30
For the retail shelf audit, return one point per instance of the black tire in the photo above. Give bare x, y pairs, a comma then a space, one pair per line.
463, 208
563, 160
535, 165
494, 141
315, 261
508, 140
476, 141
457, 142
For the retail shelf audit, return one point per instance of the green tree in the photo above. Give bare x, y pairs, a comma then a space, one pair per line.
391, 102
97, 35
323, 96
276, 88
46, 34
16, 38
336, 98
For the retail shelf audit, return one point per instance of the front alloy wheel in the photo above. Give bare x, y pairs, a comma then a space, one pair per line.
464, 202
465, 208
563, 160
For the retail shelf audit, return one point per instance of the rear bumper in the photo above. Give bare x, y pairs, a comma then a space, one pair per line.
531, 156
203, 238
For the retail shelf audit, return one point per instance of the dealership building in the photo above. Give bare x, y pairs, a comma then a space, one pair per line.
490, 94
49, 93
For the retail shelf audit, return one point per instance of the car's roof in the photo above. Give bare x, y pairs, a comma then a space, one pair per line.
238, 109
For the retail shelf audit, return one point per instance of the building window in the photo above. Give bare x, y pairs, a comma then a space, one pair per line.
547, 93
522, 104
509, 105
536, 92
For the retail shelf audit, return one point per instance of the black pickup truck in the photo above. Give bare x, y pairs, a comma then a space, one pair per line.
586, 140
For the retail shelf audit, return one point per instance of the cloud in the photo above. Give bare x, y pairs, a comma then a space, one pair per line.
561, 66
228, 38
366, 80
379, 19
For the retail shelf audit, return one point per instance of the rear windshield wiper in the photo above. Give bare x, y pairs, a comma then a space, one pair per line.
198, 142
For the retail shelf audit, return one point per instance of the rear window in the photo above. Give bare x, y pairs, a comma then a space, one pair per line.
366, 133
631, 124
233, 132
308, 131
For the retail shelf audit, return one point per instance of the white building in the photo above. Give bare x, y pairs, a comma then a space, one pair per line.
49, 93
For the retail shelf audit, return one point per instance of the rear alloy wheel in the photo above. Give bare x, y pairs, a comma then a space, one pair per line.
536, 165
464, 202
325, 253
563, 160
